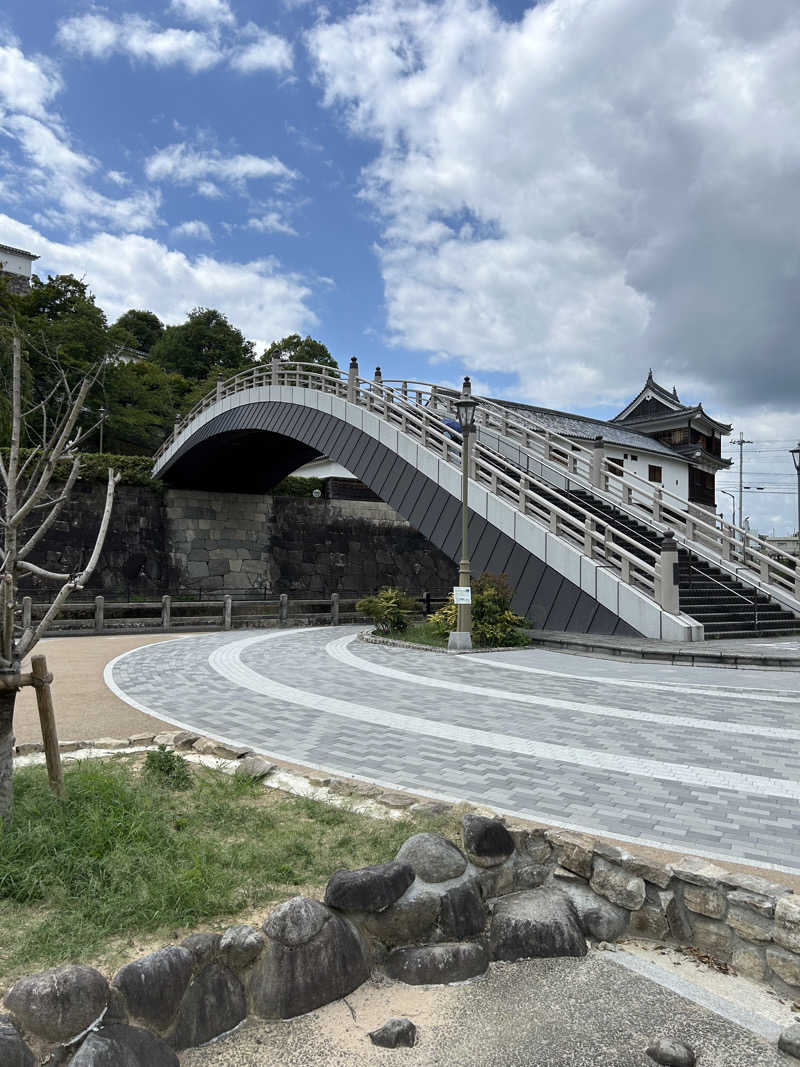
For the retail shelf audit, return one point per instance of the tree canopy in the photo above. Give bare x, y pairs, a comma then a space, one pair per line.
297, 349
206, 342
137, 329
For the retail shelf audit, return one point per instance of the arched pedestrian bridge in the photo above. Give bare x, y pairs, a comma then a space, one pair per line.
582, 543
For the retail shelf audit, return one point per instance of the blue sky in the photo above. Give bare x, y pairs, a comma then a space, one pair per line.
551, 198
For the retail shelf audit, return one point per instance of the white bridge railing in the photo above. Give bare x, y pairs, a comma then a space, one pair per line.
417, 409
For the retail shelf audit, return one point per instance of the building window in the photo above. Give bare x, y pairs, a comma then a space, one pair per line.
653, 473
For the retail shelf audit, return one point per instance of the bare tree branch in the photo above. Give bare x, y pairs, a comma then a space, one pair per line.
39, 533
40, 572
29, 640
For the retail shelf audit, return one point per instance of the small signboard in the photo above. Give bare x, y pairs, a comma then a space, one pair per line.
462, 594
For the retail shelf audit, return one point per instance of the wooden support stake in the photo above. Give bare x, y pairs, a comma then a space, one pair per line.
47, 718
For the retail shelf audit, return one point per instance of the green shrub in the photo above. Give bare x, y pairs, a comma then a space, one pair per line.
494, 624
388, 609
294, 486
167, 768
133, 470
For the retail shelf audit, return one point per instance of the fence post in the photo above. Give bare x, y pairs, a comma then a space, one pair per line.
227, 612
668, 567
658, 498
426, 603
588, 539
334, 609
352, 380
47, 719
99, 614
598, 455
27, 611
166, 611
283, 610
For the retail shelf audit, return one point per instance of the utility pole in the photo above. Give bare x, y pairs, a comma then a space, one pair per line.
741, 443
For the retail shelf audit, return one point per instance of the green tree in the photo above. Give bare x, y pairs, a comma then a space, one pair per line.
137, 329
204, 344
140, 399
297, 349
64, 322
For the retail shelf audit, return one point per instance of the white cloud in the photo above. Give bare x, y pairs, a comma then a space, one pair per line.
193, 228
134, 271
590, 190
26, 85
213, 12
247, 49
272, 222
185, 165
100, 37
54, 173
265, 51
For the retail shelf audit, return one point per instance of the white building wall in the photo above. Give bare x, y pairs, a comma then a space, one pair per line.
14, 264
674, 472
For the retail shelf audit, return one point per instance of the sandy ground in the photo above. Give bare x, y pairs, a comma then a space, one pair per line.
85, 707
535, 1013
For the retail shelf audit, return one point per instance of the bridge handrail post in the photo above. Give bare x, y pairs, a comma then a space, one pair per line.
99, 614
219, 386
283, 609
166, 612
276, 365
352, 380
334, 609
227, 611
598, 455
667, 572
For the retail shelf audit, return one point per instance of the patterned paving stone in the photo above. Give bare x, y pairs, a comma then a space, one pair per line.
677, 756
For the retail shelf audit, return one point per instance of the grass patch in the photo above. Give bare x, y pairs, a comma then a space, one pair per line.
125, 854
418, 634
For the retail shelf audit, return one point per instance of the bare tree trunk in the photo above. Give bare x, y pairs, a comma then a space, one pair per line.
7, 700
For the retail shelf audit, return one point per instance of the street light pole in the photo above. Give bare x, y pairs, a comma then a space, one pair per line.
795, 453
461, 638
733, 504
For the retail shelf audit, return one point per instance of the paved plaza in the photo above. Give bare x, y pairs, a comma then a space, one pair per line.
701, 760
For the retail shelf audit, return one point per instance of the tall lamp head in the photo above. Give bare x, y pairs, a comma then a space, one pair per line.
465, 407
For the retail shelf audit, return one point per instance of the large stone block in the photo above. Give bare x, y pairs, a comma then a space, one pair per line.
60, 1003
312, 957
574, 852
599, 918
13, 1050
787, 923
371, 889
748, 960
433, 857
438, 964
153, 986
409, 920
712, 937
747, 923
703, 900
462, 913
536, 923
487, 841
124, 1046
786, 965
617, 885
214, 1003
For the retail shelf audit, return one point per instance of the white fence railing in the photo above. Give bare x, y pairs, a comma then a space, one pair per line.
417, 408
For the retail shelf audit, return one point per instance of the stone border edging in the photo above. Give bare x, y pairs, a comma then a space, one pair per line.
370, 638
438, 913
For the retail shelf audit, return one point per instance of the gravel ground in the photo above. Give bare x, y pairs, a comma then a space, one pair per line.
536, 1013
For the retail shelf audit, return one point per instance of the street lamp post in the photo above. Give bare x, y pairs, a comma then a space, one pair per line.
733, 504
461, 638
795, 452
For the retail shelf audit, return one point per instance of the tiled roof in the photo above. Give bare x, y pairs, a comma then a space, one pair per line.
581, 426
17, 251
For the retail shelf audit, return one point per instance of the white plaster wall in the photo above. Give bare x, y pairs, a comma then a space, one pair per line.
15, 264
674, 472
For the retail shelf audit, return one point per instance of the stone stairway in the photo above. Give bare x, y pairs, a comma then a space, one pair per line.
726, 607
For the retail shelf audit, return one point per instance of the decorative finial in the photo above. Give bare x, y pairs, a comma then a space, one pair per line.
675, 392
466, 388
353, 361
650, 375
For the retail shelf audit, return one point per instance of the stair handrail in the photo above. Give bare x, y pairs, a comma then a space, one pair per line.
728, 589
731, 543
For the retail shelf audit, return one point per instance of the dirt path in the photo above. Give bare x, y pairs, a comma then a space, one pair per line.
85, 706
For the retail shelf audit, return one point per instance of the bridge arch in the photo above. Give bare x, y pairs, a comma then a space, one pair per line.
252, 437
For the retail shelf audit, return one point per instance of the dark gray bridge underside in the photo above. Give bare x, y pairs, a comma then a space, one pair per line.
252, 447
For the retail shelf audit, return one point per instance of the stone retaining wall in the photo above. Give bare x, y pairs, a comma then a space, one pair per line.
439, 912
242, 543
